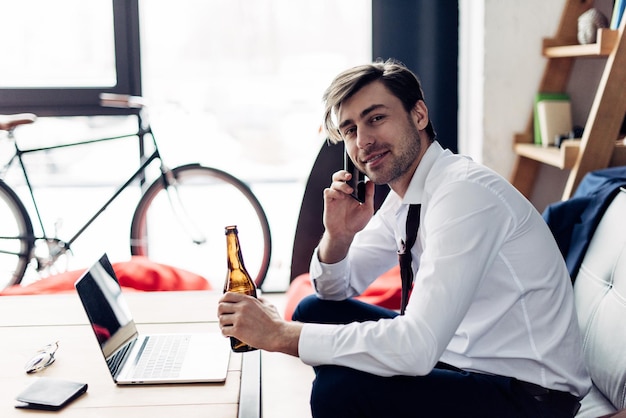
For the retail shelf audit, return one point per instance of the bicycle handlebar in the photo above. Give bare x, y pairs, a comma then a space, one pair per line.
124, 101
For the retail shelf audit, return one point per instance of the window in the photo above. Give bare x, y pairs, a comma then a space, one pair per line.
63, 53
241, 82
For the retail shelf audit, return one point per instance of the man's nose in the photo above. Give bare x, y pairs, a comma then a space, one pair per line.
364, 138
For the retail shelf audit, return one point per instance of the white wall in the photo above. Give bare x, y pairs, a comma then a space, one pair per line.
500, 67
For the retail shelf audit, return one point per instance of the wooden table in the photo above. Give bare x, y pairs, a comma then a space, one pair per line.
27, 323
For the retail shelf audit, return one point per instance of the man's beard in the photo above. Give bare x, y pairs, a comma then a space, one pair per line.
402, 159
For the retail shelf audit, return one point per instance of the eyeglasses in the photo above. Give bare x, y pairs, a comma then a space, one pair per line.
42, 359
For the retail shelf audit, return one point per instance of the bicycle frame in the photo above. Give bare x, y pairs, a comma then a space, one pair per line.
58, 247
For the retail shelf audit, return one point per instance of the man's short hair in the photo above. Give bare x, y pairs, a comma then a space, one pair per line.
395, 76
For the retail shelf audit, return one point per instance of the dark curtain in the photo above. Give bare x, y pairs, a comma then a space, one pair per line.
423, 34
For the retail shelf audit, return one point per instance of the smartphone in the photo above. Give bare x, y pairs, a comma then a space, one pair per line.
357, 182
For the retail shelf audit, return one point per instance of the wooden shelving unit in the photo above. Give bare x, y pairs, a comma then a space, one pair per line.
566, 156
605, 44
600, 145
563, 157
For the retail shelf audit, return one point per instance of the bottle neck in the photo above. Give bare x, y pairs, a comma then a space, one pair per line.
235, 258
237, 280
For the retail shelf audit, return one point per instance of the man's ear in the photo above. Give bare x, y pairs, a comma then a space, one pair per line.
419, 113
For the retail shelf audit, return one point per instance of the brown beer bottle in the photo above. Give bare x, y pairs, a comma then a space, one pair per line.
238, 280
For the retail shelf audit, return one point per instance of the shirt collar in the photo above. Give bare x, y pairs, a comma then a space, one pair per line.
415, 191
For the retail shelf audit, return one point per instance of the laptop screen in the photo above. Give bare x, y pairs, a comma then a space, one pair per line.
105, 306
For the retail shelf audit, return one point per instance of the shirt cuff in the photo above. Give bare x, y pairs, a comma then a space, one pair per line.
315, 344
323, 271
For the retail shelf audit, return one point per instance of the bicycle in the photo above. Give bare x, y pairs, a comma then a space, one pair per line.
179, 219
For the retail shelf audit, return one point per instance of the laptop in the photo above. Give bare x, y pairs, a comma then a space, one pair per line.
133, 358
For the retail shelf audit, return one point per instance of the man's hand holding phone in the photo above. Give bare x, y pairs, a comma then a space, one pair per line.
344, 215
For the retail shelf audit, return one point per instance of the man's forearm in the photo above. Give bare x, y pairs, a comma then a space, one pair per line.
332, 250
289, 339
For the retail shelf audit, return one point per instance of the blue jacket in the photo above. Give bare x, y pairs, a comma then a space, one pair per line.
574, 221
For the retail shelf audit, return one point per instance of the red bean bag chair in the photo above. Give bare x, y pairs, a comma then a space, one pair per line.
138, 273
385, 291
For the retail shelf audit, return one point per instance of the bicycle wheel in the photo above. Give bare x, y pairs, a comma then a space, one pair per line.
185, 227
16, 237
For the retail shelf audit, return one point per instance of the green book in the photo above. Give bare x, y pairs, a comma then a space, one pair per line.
538, 98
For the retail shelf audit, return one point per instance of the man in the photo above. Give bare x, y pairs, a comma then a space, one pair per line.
490, 328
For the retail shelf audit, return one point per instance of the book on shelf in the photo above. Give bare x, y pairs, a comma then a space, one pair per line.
618, 13
552, 109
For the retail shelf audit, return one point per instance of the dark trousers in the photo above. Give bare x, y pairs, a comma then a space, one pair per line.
343, 392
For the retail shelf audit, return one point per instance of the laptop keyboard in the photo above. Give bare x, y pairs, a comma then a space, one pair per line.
115, 362
162, 356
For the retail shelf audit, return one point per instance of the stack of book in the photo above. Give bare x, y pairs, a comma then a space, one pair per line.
552, 118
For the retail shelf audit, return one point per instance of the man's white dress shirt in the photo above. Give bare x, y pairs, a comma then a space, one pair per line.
491, 291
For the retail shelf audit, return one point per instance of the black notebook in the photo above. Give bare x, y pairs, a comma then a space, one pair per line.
50, 394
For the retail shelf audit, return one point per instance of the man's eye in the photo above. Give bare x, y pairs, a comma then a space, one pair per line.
348, 132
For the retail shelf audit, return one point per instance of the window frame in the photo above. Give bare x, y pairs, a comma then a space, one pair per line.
84, 101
